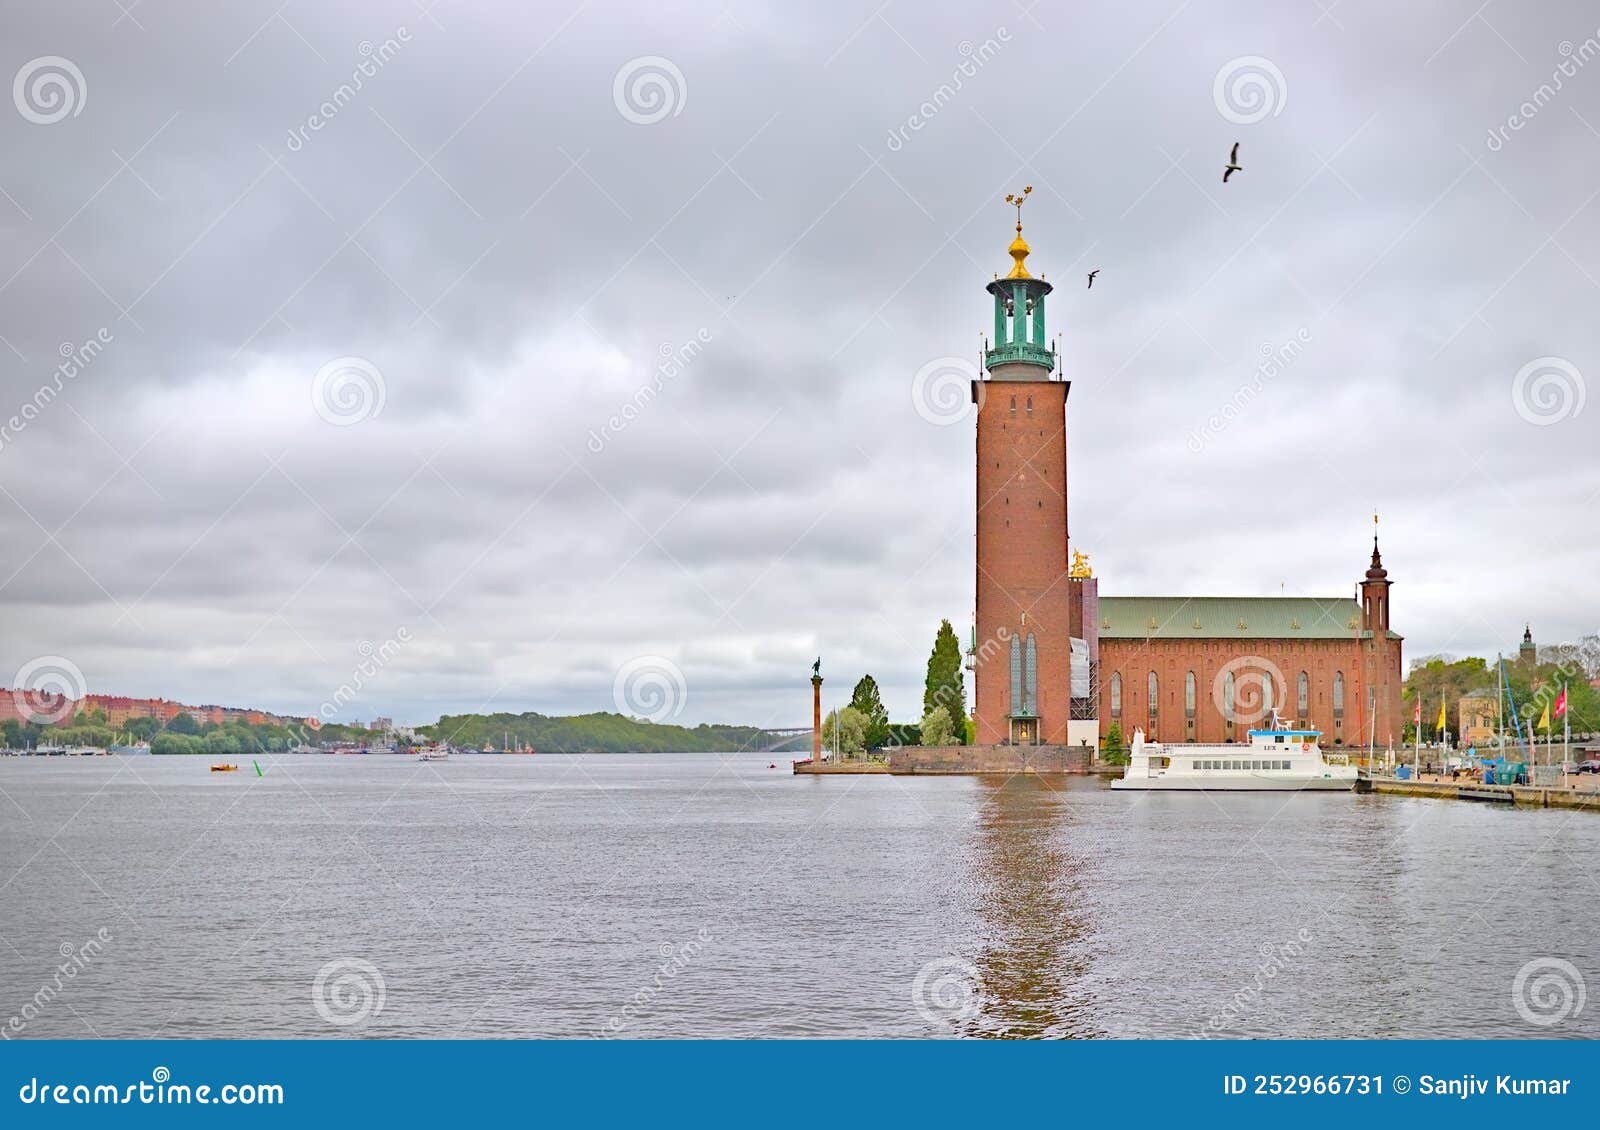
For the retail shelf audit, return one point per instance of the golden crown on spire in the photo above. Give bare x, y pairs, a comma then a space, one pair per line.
1019, 247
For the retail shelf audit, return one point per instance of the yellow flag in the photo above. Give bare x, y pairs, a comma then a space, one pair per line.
1544, 719
1441, 714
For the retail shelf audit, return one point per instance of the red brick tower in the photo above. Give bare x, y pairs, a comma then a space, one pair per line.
1380, 704
1023, 644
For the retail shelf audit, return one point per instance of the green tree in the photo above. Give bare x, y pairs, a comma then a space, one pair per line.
851, 725
945, 686
936, 727
865, 698
1112, 751
221, 743
183, 723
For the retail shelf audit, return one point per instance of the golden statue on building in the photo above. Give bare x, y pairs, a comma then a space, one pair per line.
1080, 565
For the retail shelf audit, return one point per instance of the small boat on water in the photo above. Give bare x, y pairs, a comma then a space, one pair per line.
434, 753
1280, 758
224, 768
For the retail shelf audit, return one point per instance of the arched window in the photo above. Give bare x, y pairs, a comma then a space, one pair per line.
1013, 406
1188, 695
1116, 694
1303, 698
1030, 406
1030, 678
1153, 693
1016, 675
1338, 694
1227, 697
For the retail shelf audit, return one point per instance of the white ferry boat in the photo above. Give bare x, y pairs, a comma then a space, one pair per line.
434, 753
1278, 759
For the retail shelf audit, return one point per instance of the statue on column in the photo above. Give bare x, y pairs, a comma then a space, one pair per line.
816, 668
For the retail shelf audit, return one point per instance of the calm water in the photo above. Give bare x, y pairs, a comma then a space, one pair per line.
703, 895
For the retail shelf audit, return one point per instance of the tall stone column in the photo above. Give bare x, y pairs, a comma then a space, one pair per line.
816, 719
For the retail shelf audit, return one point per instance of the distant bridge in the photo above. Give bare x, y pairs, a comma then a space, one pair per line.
780, 736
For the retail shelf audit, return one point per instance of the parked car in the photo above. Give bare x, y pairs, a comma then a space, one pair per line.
1590, 766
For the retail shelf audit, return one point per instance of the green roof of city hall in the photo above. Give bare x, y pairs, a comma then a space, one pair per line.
1230, 617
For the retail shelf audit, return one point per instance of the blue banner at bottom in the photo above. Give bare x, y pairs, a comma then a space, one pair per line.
792, 1084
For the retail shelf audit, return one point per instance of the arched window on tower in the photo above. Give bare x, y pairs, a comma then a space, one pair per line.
1227, 704
1116, 696
1153, 697
1013, 406
1030, 678
1016, 674
1030, 406
1303, 698
1338, 696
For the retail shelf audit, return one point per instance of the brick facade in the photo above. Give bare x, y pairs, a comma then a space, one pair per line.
1022, 587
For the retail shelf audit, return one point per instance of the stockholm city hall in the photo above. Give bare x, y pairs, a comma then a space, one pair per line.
1056, 664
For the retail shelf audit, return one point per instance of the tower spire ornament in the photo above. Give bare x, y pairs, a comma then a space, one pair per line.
1019, 248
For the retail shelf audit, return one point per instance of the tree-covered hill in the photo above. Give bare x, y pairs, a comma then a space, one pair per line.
589, 733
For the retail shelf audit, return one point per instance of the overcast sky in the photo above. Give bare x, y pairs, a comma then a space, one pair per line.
355, 371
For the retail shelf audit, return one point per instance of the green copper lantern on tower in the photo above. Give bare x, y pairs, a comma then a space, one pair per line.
1018, 351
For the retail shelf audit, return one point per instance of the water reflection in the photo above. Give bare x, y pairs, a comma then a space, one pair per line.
1034, 911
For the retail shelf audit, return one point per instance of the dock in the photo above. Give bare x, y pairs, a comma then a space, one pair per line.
843, 766
1532, 796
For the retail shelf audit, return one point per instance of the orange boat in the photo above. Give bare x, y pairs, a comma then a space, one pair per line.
223, 768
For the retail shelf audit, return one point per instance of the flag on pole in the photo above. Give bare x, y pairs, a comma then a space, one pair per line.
1416, 715
1441, 712
1561, 703
1544, 719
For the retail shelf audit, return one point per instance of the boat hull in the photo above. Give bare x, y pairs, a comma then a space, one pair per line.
1215, 783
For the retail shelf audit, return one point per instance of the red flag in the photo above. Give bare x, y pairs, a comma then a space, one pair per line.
1561, 702
1416, 715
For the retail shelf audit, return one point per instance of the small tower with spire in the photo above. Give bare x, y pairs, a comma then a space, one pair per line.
1528, 653
1375, 590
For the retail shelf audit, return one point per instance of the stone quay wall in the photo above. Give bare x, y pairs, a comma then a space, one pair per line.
969, 759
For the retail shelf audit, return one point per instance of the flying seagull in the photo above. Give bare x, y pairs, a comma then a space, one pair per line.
1233, 165
1092, 274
